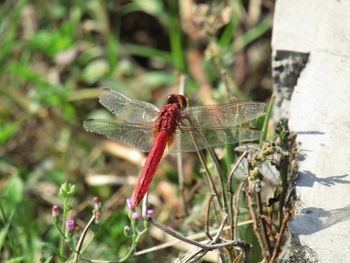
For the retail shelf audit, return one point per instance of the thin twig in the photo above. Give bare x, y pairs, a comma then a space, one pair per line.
175, 234
144, 206
193, 237
236, 212
235, 243
221, 177
229, 179
280, 235
82, 237
208, 173
262, 224
196, 256
231, 194
182, 84
252, 208
223, 204
136, 237
218, 234
221, 228
207, 217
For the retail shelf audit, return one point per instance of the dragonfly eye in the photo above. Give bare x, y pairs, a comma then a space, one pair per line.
177, 99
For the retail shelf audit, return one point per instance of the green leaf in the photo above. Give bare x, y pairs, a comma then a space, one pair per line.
151, 7
157, 78
259, 122
48, 260
50, 42
14, 189
7, 130
266, 120
57, 10
15, 260
4, 230
95, 70
3, 234
147, 52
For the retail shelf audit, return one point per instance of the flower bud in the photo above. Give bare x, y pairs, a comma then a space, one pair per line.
130, 203
97, 217
135, 216
55, 211
149, 212
70, 225
67, 190
97, 203
126, 230
73, 189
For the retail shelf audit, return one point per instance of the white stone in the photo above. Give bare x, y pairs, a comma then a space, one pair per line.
320, 115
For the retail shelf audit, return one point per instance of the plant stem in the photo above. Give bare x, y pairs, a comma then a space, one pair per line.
252, 209
135, 239
264, 232
63, 228
235, 243
280, 235
266, 120
232, 208
82, 237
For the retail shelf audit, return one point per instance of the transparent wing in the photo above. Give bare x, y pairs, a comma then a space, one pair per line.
224, 115
130, 110
204, 138
138, 136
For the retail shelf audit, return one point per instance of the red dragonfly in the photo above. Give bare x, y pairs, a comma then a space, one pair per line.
187, 129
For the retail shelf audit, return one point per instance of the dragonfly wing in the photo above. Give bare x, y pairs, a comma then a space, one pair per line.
138, 136
130, 110
224, 115
189, 141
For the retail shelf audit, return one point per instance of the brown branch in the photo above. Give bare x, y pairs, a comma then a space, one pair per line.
263, 226
256, 224
207, 217
280, 235
235, 243
195, 236
232, 207
82, 237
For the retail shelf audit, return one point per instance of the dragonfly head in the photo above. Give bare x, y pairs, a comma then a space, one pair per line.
177, 99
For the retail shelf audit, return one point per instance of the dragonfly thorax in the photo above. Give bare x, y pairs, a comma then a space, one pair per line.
168, 119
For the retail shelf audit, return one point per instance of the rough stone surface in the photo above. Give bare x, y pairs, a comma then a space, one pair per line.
320, 114
286, 68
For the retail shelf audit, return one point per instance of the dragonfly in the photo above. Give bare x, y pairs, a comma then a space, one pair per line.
183, 129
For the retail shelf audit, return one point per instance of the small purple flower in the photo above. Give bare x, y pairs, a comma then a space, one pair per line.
55, 211
149, 212
130, 203
135, 216
70, 225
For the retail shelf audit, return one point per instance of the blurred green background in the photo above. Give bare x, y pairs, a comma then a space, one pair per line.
54, 57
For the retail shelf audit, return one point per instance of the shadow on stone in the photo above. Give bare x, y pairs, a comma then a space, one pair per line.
308, 179
313, 219
309, 133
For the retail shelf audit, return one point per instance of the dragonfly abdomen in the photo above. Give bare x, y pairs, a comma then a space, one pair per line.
150, 166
